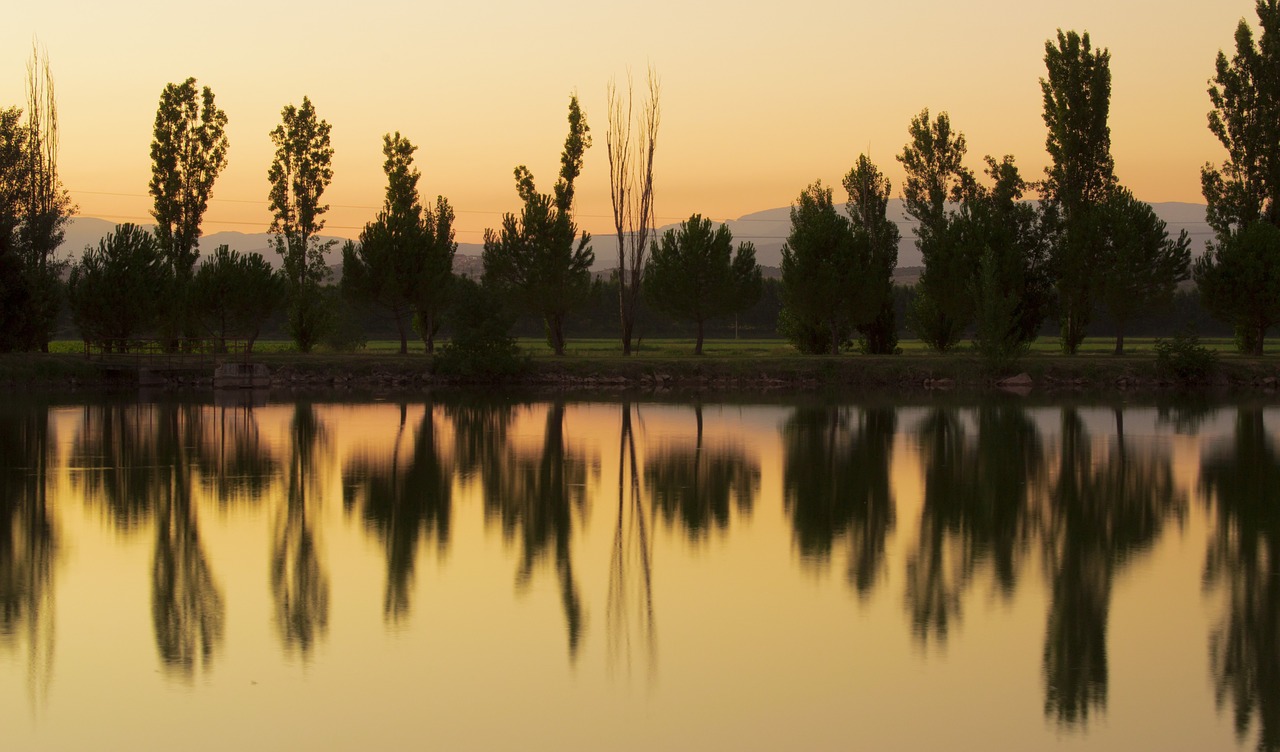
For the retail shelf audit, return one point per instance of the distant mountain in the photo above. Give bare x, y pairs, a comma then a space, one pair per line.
766, 229
87, 231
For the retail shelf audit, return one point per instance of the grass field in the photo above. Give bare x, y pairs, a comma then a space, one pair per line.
729, 348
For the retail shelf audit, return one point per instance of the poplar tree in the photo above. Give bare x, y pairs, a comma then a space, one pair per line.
876, 248
398, 262
936, 177
538, 259
819, 265
1239, 274
299, 174
1077, 102
188, 151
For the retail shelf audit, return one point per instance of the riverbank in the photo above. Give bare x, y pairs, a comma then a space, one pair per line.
912, 371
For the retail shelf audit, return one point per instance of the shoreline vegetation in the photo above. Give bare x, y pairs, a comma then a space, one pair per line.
742, 365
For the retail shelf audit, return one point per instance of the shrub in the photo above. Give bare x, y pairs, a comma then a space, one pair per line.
1184, 358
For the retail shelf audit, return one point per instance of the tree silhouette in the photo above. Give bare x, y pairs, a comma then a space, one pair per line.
299, 582
400, 502
836, 485
1242, 483
536, 498
29, 540
630, 596
975, 510
1101, 512
697, 484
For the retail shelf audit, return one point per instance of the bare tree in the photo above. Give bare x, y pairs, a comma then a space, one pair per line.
47, 205
631, 191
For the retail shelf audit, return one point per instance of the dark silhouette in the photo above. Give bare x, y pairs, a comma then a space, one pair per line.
299, 582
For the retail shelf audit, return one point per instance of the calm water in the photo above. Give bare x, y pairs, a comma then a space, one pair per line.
478, 574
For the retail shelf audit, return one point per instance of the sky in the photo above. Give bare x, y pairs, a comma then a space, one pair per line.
758, 99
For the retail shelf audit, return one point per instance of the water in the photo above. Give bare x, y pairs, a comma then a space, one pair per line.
472, 573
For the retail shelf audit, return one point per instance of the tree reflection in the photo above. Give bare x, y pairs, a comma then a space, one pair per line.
1101, 511
975, 511
836, 484
400, 501
236, 462
299, 583
695, 485
536, 499
1243, 482
29, 542
630, 597
142, 461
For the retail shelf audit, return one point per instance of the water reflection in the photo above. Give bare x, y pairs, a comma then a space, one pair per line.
697, 484
401, 500
630, 595
537, 498
976, 513
29, 542
1005, 493
836, 485
142, 462
1104, 507
299, 582
1242, 479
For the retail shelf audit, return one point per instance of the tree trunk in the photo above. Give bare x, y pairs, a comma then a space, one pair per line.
404, 339
1119, 338
555, 331
1258, 338
697, 349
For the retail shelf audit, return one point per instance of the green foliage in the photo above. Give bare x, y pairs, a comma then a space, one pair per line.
994, 221
533, 259
17, 327
299, 174
997, 337
232, 295
818, 262
482, 347
118, 290
1239, 281
342, 331
400, 265
694, 274
188, 151
1245, 93
1184, 358
1143, 264
1077, 103
935, 176
876, 246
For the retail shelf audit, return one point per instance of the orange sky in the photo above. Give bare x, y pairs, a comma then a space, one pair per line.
758, 99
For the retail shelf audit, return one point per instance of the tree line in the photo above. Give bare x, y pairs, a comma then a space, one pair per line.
996, 265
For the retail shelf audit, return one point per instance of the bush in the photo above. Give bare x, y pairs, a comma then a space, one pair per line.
1184, 358
482, 348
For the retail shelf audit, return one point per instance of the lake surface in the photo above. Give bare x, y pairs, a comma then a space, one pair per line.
478, 573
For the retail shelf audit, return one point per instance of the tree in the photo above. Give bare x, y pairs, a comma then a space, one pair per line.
398, 252
1245, 191
17, 330
46, 204
1008, 284
694, 274
936, 177
1077, 102
877, 248
299, 175
818, 272
1143, 264
232, 295
631, 193
435, 289
1239, 281
188, 151
116, 290
533, 258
